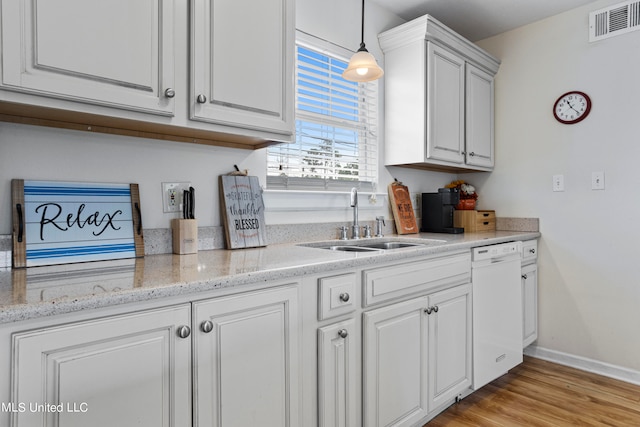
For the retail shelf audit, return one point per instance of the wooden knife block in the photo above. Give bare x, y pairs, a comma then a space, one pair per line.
185, 236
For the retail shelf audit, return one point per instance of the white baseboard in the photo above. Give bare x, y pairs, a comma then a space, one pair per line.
589, 365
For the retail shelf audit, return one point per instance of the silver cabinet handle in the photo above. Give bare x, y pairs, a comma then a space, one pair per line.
472, 154
344, 297
169, 93
201, 99
343, 333
524, 276
430, 310
533, 251
206, 326
184, 331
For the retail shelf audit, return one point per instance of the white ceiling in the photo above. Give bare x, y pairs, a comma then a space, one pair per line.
479, 19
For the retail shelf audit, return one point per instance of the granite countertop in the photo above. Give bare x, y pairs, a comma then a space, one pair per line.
44, 291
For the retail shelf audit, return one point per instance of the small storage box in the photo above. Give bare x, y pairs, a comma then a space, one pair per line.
475, 221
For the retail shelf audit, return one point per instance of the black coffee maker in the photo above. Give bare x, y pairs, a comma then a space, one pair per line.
437, 211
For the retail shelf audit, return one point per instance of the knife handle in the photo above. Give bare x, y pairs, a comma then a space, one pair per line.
185, 204
192, 202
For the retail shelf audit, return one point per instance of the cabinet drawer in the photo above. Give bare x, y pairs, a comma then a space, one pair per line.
336, 295
529, 251
475, 221
397, 281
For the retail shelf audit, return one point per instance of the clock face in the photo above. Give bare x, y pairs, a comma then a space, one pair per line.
572, 107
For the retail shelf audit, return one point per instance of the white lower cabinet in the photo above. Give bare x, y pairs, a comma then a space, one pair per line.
226, 361
246, 360
529, 292
529, 304
450, 343
118, 371
337, 366
416, 356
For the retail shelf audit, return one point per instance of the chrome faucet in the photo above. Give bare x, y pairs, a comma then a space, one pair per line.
355, 228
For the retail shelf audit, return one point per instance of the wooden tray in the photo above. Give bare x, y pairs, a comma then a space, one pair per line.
66, 222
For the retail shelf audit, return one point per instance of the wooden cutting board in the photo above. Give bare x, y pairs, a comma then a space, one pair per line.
402, 209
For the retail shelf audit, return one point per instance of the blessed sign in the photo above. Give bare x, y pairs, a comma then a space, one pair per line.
65, 222
242, 211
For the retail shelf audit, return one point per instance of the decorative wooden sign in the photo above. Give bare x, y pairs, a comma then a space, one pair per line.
242, 211
403, 214
67, 222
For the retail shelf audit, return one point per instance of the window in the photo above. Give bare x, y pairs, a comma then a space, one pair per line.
336, 144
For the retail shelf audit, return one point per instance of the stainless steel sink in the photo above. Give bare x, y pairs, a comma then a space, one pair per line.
390, 245
353, 248
372, 245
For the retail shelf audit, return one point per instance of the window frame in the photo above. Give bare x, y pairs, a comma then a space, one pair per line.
365, 134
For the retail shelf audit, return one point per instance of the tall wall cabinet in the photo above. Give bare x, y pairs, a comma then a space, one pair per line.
439, 98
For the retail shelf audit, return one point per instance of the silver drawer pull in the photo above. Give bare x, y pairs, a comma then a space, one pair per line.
169, 93
201, 99
343, 333
344, 297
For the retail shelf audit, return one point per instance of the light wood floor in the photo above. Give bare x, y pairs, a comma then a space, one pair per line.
539, 393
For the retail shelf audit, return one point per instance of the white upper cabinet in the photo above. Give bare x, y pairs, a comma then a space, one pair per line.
438, 98
217, 72
479, 118
117, 53
242, 63
445, 112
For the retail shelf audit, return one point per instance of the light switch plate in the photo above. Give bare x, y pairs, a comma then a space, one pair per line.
597, 180
558, 182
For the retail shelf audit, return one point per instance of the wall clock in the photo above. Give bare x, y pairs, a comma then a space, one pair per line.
572, 107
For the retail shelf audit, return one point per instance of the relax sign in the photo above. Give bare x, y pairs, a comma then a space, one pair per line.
64, 222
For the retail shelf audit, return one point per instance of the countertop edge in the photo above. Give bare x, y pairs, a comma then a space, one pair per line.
11, 313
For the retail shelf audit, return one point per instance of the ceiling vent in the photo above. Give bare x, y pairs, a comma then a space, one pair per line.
614, 20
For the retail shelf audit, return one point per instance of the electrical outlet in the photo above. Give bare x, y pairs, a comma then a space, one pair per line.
597, 180
558, 182
172, 195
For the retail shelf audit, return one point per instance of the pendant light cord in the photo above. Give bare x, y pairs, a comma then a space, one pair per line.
362, 47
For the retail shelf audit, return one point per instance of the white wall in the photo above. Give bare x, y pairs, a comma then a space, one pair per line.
589, 297
31, 152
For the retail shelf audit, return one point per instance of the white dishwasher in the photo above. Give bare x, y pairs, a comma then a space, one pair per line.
497, 311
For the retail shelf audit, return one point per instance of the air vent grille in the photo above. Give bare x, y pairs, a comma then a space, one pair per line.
615, 20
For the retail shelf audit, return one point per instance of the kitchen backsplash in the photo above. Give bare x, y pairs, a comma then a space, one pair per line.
158, 240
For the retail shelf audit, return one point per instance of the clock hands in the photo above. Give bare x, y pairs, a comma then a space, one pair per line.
571, 106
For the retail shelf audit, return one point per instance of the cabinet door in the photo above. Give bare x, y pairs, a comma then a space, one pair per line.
246, 360
395, 363
479, 117
449, 344
121, 371
445, 105
116, 53
242, 63
529, 304
337, 375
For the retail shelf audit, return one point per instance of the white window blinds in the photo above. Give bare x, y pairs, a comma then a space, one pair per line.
336, 144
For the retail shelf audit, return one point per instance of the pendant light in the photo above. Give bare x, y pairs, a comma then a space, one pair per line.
362, 66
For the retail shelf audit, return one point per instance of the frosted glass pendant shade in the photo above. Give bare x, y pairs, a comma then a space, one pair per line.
362, 67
